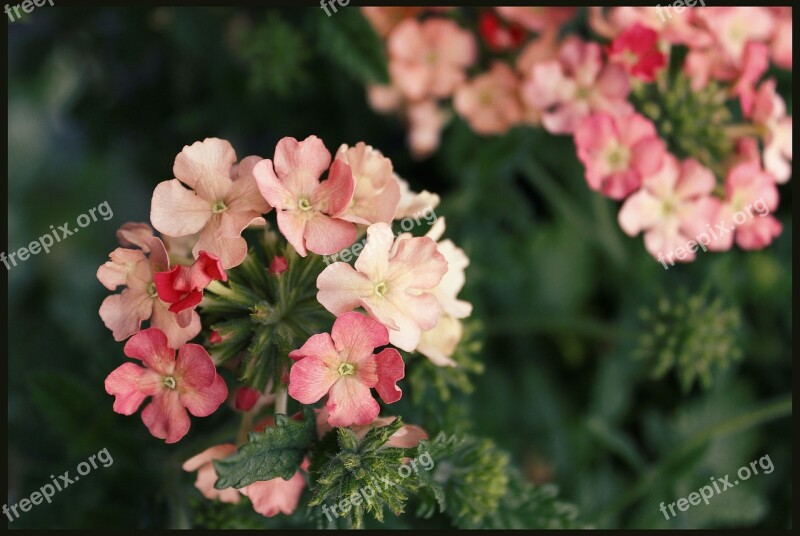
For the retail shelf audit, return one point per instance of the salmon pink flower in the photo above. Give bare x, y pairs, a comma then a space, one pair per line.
183, 285
343, 366
377, 191
384, 99
428, 58
769, 114
309, 211
576, 85
750, 197
406, 437
393, 282
426, 119
673, 207
134, 269
413, 203
210, 196
636, 49
536, 18
489, 102
207, 476
618, 152
189, 382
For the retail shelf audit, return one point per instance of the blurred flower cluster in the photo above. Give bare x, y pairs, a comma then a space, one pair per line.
277, 321
676, 114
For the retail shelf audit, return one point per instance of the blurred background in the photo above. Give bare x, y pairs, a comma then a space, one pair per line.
623, 384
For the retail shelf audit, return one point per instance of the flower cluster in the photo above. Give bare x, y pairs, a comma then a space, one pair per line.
650, 105
401, 290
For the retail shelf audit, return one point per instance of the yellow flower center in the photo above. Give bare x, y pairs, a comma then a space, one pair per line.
169, 382
304, 204
381, 289
219, 207
346, 369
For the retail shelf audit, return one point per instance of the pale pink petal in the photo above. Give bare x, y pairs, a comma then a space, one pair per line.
274, 191
205, 167
124, 313
326, 236
177, 211
123, 264
300, 164
292, 225
640, 211
417, 263
310, 379
407, 437
333, 195
275, 496
177, 331
374, 258
319, 345
350, 402
341, 288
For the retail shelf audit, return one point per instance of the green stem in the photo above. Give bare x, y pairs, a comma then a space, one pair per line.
281, 400
244, 428
782, 407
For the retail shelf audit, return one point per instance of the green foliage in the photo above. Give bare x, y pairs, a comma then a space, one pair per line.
348, 40
695, 335
276, 55
469, 480
342, 467
277, 452
528, 506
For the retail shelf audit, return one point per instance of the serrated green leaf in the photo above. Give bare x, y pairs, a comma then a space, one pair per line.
277, 452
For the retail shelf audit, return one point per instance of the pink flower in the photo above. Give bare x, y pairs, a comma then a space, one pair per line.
497, 35
220, 202
207, 476
754, 64
618, 152
189, 383
769, 113
246, 398
439, 343
342, 365
428, 59
134, 269
575, 86
425, 123
537, 18
377, 192
384, 19
278, 265
734, 27
781, 43
309, 211
489, 101
183, 285
672, 27
673, 207
750, 196
392, 283
636, 49
269, 497
543, 48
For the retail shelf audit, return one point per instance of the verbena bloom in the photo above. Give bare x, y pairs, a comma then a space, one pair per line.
211, 196
428, 58
769, 114
278, 265
636, 49
384, 19
377, 191
576, 85
618, 152
343, 366
673, 206
384, 99
309, 211
781, 42
134, 269
406, 437
189, 382
750, 197
489, 102
393, 282
439, 343
183, 285
269, 497
734, 27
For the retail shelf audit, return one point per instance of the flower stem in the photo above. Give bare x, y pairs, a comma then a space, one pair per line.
244, 428
281, 400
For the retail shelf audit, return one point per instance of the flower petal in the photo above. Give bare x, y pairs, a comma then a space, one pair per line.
177, 211
391, 369
166, 418
310, 379
350, 402
205, 166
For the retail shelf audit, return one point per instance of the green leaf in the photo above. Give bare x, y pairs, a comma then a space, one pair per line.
276, 452
348, 40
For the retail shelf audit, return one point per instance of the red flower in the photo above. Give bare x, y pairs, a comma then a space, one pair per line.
636, 49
